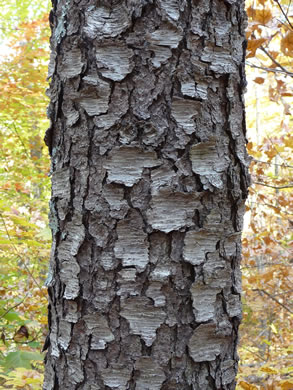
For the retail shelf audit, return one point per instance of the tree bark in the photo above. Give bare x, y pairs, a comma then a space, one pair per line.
149, 180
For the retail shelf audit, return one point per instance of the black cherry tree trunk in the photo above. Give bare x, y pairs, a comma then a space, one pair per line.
149, 180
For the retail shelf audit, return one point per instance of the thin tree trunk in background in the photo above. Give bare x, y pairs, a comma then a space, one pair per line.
149, 180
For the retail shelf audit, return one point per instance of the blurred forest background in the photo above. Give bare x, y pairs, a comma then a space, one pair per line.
266, 350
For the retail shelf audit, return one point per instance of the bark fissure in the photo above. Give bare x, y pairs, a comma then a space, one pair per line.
149, 179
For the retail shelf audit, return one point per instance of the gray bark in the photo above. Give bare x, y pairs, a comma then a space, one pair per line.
149, 180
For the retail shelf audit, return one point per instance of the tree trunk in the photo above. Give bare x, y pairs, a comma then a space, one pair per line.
149, 180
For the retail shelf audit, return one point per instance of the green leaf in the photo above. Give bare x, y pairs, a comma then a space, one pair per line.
11, 316
20, 359
33, 243
36, 344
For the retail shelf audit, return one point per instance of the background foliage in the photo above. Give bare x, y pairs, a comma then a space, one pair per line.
266, 331
266, 342
24, 186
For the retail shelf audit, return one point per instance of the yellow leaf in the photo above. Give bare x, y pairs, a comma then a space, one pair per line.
287, 44
253, 45
262, 16
286, 93
249, 145
259, 80
287, 385
268, 240
250, 11
269, 370
274, 54
274, 329
268, 276
271, 153
247, 386
288, 142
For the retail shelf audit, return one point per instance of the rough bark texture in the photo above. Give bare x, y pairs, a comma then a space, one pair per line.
149, 179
